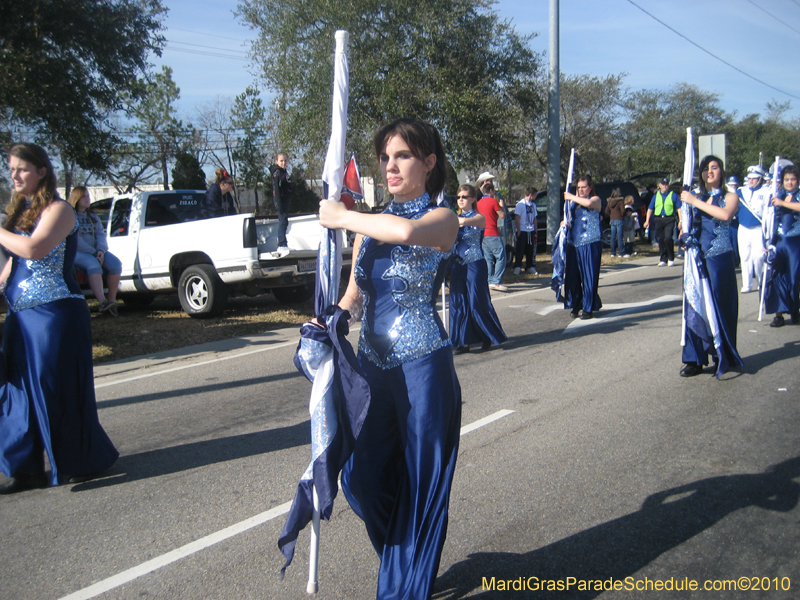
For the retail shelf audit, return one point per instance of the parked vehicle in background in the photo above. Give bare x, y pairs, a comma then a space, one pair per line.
166, 246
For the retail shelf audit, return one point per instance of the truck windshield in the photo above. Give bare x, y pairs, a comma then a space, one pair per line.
168, 208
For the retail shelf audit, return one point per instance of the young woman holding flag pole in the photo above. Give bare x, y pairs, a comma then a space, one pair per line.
711, 307
399, 476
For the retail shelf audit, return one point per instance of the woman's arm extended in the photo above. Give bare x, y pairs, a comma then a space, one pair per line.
55, 223
437, 229
723, 214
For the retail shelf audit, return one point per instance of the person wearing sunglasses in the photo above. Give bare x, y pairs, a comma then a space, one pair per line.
473, 319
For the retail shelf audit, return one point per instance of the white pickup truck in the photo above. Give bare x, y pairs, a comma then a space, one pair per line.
166, 245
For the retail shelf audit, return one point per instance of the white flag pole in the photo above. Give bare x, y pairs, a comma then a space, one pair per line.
333, 175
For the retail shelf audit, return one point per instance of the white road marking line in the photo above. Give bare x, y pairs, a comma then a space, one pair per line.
153, 373
620, 311
154, 564
485, 421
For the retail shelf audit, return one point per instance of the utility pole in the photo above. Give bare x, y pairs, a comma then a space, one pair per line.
554, 137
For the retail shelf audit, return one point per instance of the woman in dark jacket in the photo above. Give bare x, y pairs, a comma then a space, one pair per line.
219, 201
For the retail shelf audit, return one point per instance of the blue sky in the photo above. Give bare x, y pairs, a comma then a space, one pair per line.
598, 37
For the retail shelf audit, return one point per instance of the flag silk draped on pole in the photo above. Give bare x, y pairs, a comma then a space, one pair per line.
339, 394
560, 243
699, 311
768, 234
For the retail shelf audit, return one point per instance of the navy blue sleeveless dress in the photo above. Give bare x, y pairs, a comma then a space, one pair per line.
399, 476
47, 398
473, 319
584, 248
783, 293
716, 249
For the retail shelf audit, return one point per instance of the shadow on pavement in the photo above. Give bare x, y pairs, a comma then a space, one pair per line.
619, 548
189, 391
175, 459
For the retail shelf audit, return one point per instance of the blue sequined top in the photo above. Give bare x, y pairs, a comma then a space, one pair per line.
787, 220
399, 284
35, 282
468, 243
585, 227
713, 234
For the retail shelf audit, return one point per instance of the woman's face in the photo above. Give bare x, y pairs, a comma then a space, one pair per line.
712, 175
25, 176
83, 202
226, 187
583, 188
405, 174
790, 182
282, 161
465, 201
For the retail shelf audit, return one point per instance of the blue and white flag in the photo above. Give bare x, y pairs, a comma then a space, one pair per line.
768, 235
559, 253
339, 395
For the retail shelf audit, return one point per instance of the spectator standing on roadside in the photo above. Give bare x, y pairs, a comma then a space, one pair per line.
615, 209
646, 198
494, 250
754, 198
525, 218
92, 255
663, 214
629, 226
281, 198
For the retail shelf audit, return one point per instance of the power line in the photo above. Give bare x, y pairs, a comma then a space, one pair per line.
222, 37
778, 19
203, 53
722, 60
207, 47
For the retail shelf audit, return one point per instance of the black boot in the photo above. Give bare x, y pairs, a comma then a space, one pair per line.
22, 482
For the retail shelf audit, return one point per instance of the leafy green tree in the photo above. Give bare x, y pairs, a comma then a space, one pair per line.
754, 136
654, 135
155, 137
187, 174
249, 154
65, 63
451, 62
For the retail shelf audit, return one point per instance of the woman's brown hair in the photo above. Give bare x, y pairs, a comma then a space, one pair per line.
21, 216
223, 176
423, 140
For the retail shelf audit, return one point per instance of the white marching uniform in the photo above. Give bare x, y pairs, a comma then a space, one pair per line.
752, 205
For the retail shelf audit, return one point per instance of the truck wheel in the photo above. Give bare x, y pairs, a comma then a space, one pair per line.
201, 292
293, 295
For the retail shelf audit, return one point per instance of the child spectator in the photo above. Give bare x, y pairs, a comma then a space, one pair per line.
630, 225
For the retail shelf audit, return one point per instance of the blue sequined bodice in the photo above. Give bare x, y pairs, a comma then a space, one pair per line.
399, 284
585, 227
787, 220
35, 282
468, 242
714, 235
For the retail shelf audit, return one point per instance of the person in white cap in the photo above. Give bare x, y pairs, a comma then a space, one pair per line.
753, 199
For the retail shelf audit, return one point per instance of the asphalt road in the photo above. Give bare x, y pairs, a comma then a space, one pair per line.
610, 467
